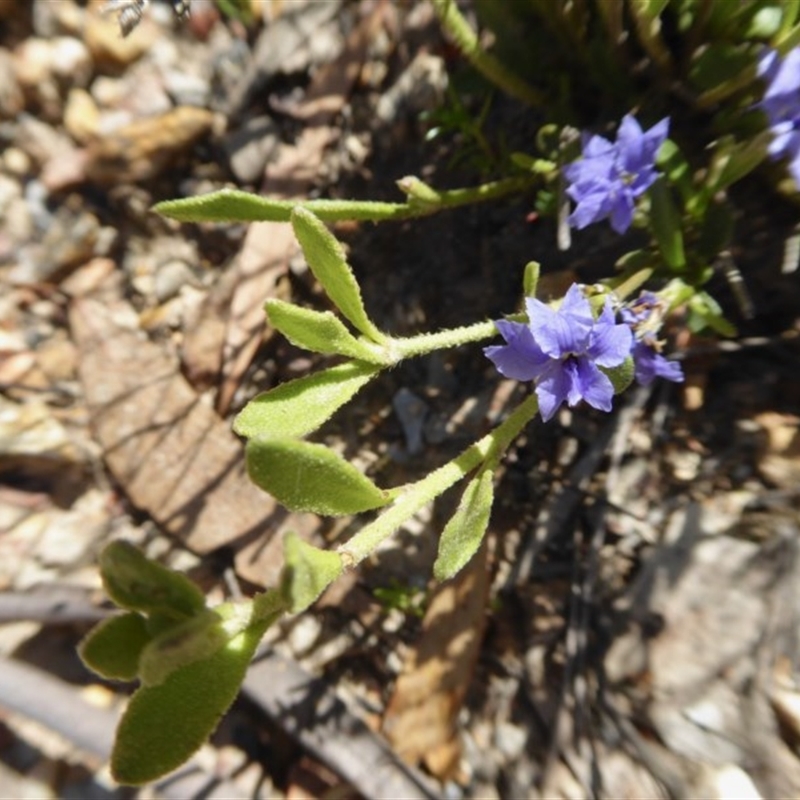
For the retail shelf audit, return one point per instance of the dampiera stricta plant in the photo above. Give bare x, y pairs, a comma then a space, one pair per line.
586, 348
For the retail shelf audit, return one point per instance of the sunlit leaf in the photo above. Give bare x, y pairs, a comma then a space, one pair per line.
319, 332
307, 572
113, 647
464, 533
164, 725
327, 261
298, 407
135, 582
310, 477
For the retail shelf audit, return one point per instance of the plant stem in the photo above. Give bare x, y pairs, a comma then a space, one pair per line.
440, 340
466, 39
232, 205
419, 494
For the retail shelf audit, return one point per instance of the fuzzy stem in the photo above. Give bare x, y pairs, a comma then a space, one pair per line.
440, 340
419, 494
232, 205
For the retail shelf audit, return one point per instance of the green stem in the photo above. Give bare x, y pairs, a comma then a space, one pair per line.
440, 340
466, 39
232, 205
419, 494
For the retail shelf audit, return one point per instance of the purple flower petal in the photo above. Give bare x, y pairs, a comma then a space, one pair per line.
595, 387
565, 331
608, 178
520, 359
649, 365
610, 344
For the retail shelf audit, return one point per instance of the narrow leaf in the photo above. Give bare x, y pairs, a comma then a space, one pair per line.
113, 647
135, 582
163, 725
326, 259
310, 477
319, 332
307, 572
666, 226
298, 407
464, 532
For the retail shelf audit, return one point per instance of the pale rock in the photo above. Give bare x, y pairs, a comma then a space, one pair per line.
304, 634
170, 278
81, 116
33, 62
15, 162
107, 46
12, 100
71, 61
32, 430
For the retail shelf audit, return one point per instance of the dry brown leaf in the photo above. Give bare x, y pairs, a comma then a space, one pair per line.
421, 720
169, 451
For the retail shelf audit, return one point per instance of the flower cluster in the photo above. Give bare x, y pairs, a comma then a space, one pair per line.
644, 317
781, 104
563, 350
609, 177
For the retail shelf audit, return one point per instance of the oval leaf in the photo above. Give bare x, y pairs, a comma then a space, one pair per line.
310, 477
299, 407
163, 725
196, 638
319, 332
307, 572
135, 582
113, 647
464, 533
326, 259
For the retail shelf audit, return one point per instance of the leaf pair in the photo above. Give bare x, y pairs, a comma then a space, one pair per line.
301, 475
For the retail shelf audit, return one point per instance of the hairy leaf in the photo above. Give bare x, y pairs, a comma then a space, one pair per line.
299, 407
310, 477
113, 647
464, 533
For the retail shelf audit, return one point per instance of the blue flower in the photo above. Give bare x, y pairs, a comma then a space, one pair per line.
561, 351
609, 177
781, 104
644, 316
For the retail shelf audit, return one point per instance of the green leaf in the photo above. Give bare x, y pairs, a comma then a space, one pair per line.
732, 162
666, 226
135, 582
113, 647
464, 532
621, 376
233, 205
326, 259
192, 640
530, 278
705, 312
203, 635
310, 477
319, 332
298, 407
164, 725
307, 572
